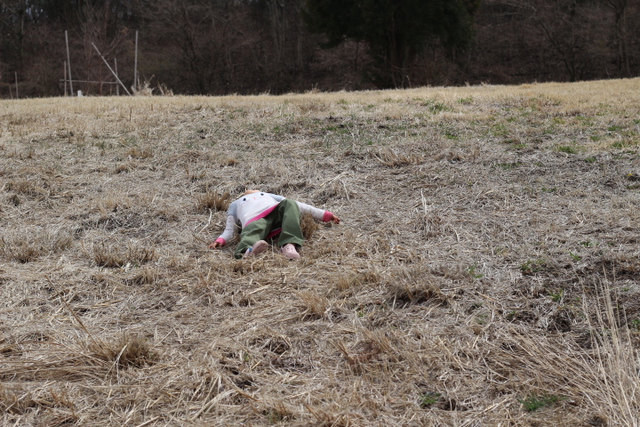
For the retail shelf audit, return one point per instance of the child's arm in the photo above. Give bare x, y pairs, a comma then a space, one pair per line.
227, 234
318, 214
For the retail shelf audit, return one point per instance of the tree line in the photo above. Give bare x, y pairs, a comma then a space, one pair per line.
277, 46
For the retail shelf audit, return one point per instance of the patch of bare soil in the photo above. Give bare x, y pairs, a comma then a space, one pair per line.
486, 270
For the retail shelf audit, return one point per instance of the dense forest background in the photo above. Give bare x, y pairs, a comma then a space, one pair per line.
277, 46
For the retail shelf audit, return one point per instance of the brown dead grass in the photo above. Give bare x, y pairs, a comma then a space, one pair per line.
486, 263
211, 200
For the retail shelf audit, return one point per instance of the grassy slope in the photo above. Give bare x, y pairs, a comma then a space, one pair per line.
486, 271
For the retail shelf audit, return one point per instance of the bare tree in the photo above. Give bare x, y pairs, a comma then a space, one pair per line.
619, 9
100, 24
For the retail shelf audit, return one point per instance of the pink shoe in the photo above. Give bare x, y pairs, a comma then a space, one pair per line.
290, 252
257, 248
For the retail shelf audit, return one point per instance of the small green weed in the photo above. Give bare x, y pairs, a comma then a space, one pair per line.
481, 319
590, 160
474, 273
277, 414
538, 401
129, 142
438, 107
434, 106
575, 257
466, 101
569, 149
451, 134
587, 121
500, 250
624, 144
549, 190
429, 399
103, 145
532, 266
556, 296
499, 130
509, 166
475, 306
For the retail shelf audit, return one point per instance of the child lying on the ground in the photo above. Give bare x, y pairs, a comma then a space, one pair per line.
264, 215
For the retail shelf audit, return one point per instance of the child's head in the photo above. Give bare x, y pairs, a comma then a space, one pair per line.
250, 192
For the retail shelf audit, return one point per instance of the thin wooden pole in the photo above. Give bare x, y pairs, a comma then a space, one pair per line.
97, 82
17, 96
66, 38
111, 69
135, 66
115, 61
65, 78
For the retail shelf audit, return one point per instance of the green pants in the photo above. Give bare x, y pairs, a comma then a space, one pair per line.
286, 216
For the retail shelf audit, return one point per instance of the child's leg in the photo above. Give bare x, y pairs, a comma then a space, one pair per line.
289, 217
250, 234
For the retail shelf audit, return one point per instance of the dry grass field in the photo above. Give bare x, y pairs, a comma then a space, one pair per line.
486, 272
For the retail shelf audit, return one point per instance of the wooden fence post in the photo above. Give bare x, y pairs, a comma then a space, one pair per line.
115, 63
135, 66
66, 37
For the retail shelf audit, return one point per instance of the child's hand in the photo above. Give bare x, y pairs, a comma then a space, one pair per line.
215, 245
335, 219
